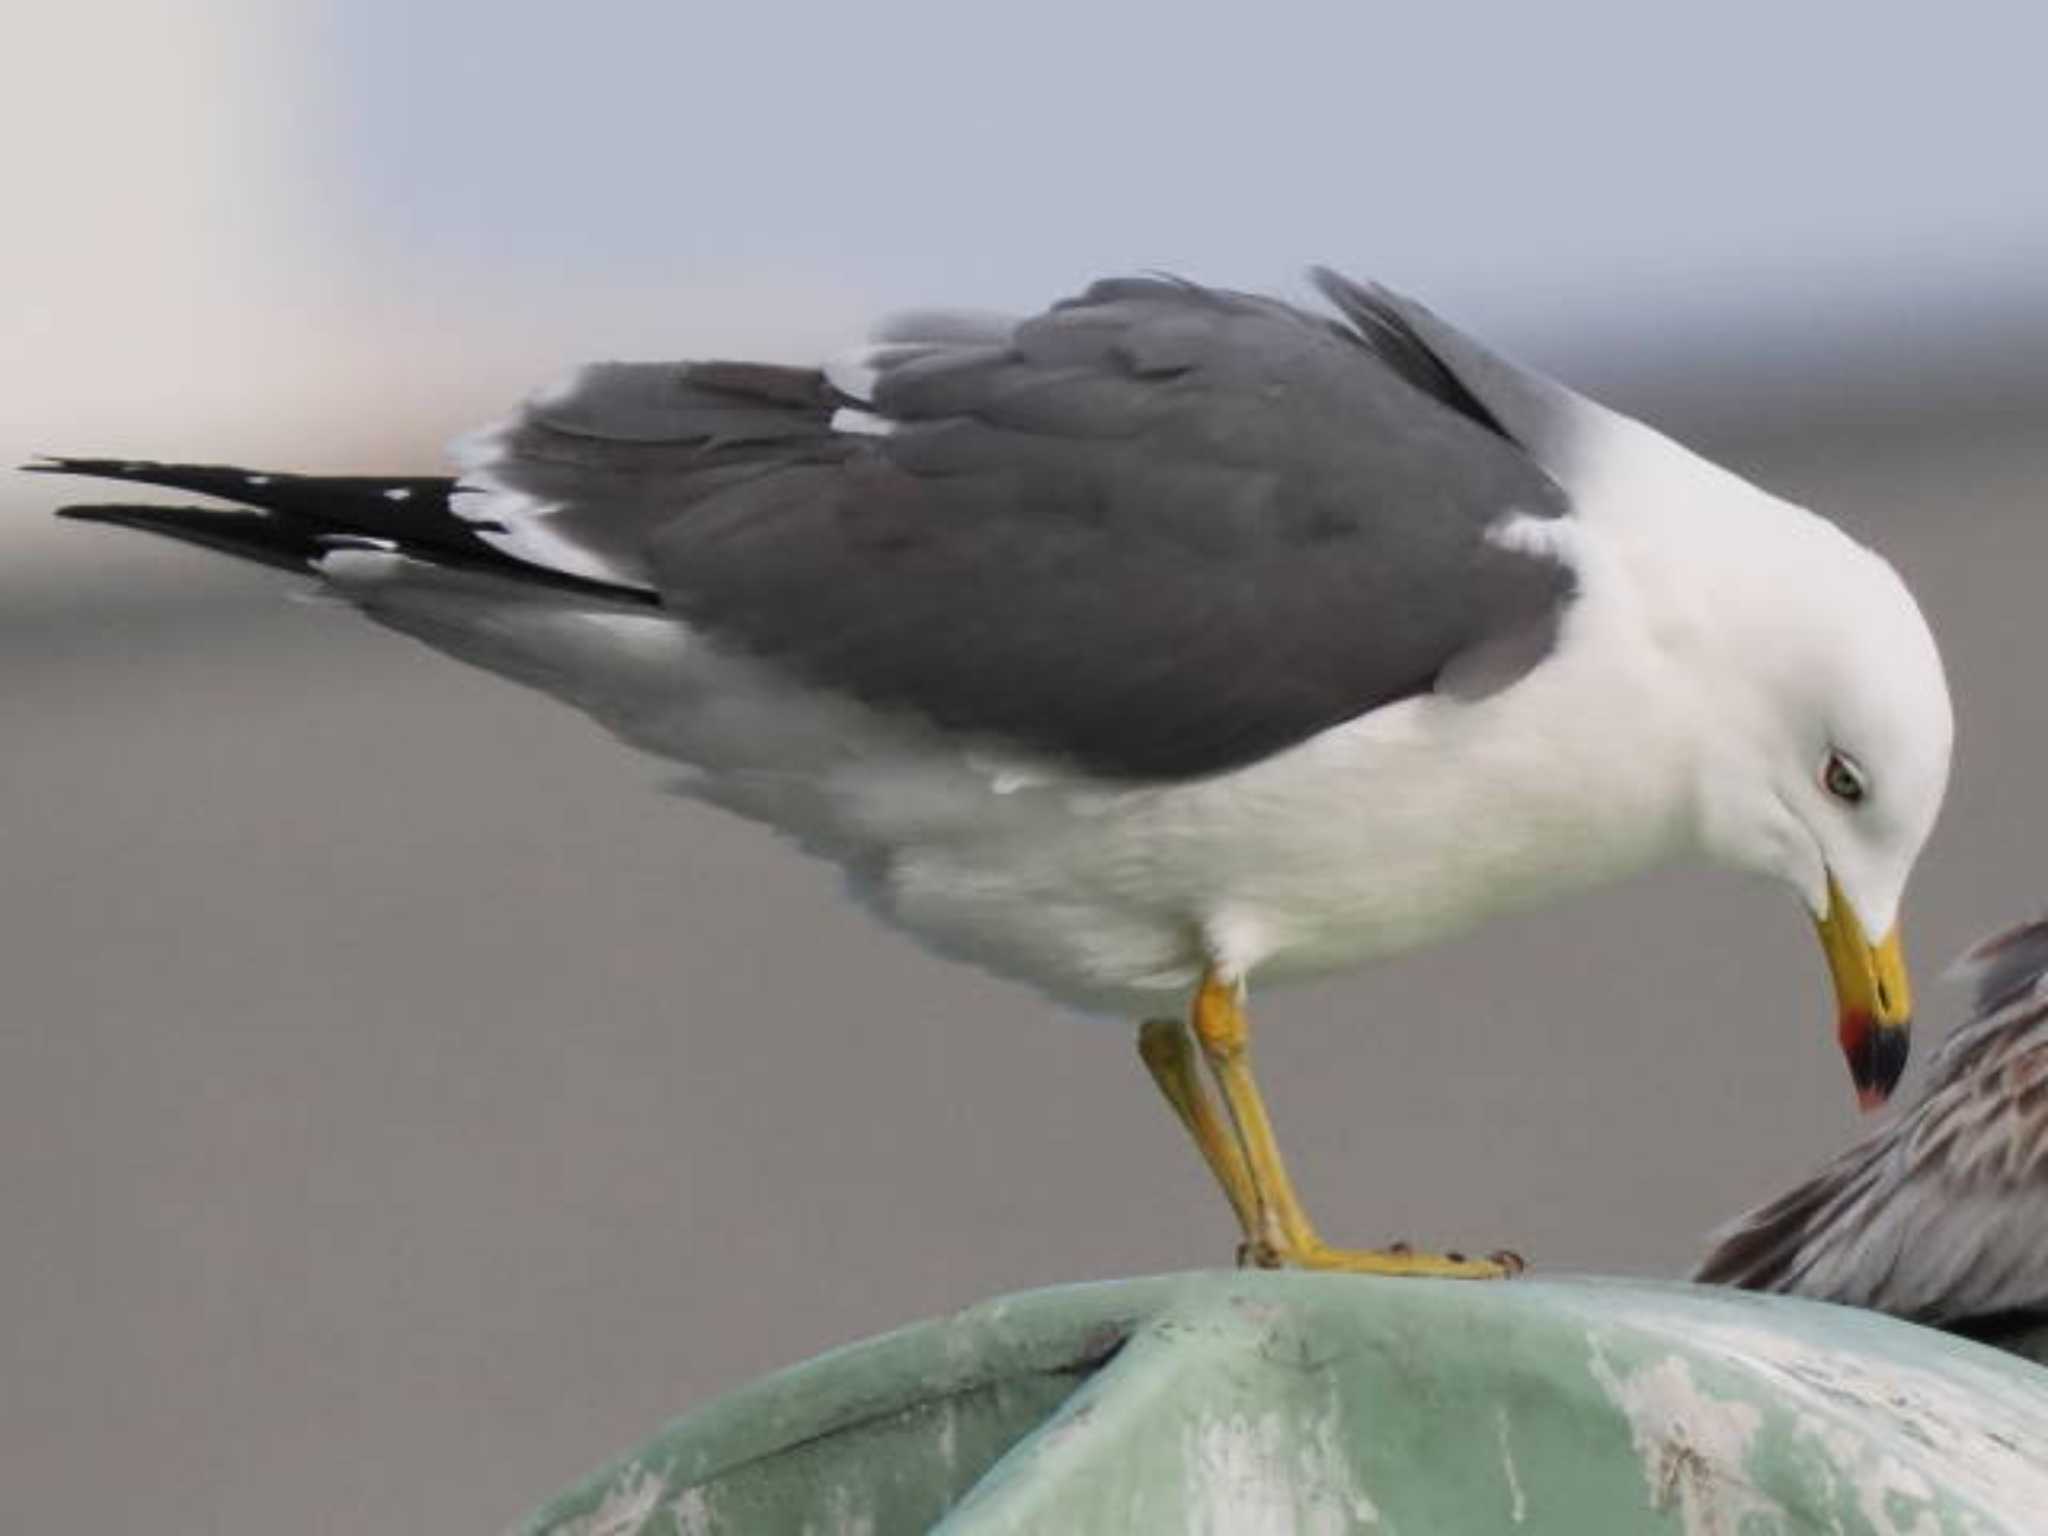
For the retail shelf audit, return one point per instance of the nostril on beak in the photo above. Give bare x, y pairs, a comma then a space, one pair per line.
1884, 995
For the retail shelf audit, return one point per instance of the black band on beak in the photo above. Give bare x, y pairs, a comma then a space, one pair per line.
1877, 1060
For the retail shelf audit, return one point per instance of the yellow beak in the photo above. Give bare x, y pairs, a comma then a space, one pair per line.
1874, 997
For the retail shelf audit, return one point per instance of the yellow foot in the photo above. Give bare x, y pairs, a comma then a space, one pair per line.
1239, 1145
1398, 1260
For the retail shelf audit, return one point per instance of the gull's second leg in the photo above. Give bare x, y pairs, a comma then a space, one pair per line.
1284, 1234
1169, 1056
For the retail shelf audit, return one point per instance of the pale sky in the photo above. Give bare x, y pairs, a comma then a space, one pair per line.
335, 233
1500, 154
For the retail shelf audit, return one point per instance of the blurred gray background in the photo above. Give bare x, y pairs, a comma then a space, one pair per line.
404, 1105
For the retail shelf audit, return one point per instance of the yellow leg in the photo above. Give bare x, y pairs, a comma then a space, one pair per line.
1168, 1054
1282, 1233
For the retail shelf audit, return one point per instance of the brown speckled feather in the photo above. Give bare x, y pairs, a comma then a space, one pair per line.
1942, 1215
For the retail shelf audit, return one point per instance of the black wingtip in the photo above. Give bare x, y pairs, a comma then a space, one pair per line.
289, 520
126, 514
245, 535
63, 464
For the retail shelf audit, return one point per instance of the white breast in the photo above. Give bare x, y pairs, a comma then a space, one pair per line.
1383, 833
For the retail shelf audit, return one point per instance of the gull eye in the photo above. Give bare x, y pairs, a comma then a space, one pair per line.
1842, 778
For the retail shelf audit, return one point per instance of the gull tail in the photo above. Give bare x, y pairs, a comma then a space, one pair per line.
292, 522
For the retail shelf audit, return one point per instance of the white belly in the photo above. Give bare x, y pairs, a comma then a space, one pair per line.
1400, 827
1381, 835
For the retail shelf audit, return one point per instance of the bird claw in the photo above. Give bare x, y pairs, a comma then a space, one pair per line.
1258, 1255
1395, 1258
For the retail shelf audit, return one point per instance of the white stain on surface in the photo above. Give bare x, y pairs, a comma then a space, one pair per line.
1518, 1506
845, 1514
1263, 1477
949, 1437
1693, 1445
626, 1506
1894, 1430
1884, 1488
692, 1513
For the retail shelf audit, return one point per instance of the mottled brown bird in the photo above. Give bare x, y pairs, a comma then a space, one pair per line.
1942, 1216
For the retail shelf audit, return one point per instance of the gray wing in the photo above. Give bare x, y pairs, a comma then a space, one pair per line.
1942, 1216
1160, 530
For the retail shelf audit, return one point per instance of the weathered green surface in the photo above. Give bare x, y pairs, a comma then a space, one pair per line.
880, 1436
1257, 1402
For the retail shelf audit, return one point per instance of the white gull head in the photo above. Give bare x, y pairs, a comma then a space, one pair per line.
1828, 730
1811, 714
1816, 711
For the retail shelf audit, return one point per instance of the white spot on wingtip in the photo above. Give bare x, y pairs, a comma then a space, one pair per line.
256, 479
354, 566
861, 423
398, 493
1545, 538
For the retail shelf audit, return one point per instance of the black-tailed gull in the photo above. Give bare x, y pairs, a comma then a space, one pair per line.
1175, 637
